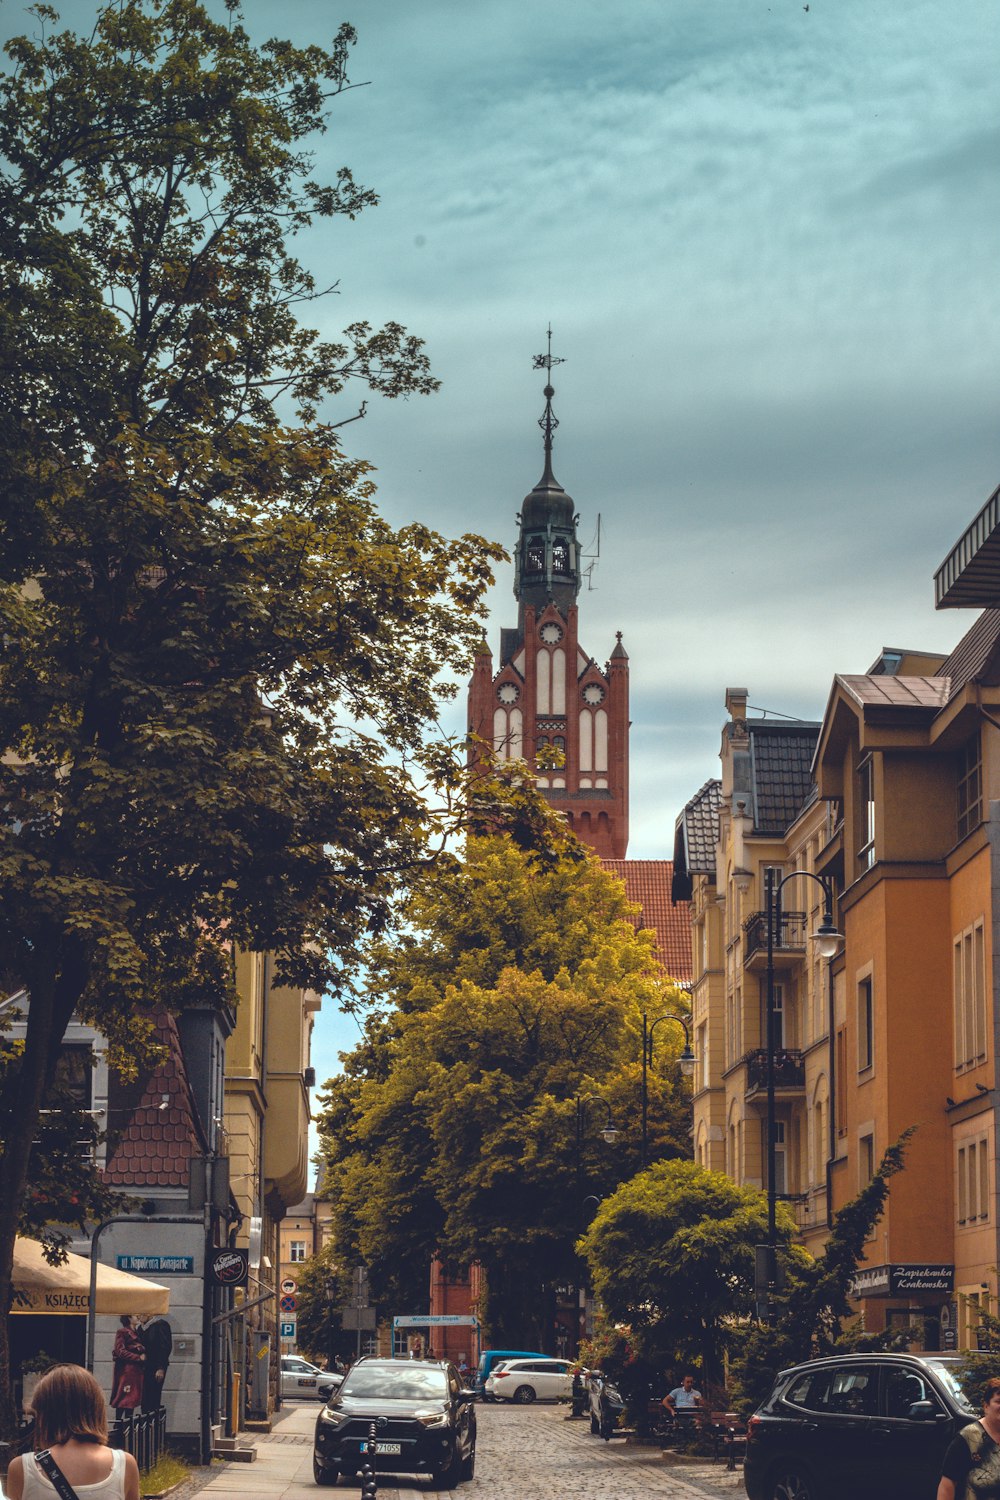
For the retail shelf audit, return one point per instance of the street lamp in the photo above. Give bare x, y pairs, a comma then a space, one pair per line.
685, 1062
609, 1133
828, 940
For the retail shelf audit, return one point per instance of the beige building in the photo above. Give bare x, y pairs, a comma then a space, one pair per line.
267, 1082
761, 813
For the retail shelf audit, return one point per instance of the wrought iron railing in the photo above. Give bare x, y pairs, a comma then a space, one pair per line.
789, 1069
143, 1434
789, 932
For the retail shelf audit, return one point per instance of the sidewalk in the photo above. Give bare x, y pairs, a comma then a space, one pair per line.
283, 1466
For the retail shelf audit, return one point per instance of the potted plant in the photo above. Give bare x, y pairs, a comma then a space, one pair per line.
32, 1370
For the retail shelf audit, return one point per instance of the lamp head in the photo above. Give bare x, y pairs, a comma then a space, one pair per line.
686, 1061
610, 1133
827, 937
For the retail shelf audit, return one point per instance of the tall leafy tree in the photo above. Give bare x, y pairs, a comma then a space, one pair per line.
220, 662
515, 991
671, 1254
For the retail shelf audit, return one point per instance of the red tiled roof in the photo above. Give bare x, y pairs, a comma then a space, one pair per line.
647, 883
160, 1135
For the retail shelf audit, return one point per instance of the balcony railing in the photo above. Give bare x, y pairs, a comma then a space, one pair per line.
789, 933
789, 1070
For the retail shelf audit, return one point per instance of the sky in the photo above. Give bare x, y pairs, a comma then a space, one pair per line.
766, 237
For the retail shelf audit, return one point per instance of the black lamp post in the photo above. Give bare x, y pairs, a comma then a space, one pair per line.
829, 940
609, 1133
685, 1062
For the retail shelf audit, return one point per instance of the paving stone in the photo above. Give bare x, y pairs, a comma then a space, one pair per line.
524, 1453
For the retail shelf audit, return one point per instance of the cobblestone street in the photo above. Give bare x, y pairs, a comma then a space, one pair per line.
531, 1453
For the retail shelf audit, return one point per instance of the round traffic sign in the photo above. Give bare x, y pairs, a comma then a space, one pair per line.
289, 1287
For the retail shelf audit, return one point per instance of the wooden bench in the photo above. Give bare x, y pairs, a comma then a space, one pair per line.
728, 1433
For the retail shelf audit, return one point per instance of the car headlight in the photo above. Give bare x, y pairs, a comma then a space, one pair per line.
432, 1418
332, 1418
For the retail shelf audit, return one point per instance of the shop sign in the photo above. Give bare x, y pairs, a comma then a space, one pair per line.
902, 1280
228, 1267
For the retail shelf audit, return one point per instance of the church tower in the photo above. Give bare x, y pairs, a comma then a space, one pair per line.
548, 691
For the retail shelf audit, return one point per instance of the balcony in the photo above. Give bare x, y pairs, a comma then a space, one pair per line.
789, 1073
789, 941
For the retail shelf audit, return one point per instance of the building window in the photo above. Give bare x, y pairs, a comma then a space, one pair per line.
780, 1159
866, 813
866, 1160
297, 1250
973, 1182
866, 1024
970, 997
970, 786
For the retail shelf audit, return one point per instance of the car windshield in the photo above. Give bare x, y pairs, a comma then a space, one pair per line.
948, 1372
408, 1383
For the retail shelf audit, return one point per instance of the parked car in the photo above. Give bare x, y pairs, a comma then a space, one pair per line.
526, 1380
863, 1425
298, 1376
606, 1404
427, 1417
492, 1357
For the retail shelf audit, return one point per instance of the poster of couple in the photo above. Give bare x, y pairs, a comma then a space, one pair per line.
140, 1356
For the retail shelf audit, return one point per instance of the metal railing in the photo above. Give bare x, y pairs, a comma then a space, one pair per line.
143, 1434
789, 1069
790, 932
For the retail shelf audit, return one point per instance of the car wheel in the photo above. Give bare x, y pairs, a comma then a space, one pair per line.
322, 1475
793, 1481
595, 1426
448, 1477
469, 1466
524, 1395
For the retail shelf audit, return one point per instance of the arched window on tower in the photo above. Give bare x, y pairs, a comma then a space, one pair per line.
534, 558
560, 556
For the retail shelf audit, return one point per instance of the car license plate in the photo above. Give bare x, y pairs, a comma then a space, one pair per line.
389, 1448
309, 1384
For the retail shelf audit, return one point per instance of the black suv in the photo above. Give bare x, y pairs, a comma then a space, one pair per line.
426, 1422
858, 1425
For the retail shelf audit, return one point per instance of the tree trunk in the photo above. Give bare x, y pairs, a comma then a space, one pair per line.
48, 1017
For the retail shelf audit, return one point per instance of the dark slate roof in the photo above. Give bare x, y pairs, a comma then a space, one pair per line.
159, 1133
648, 884
695, 834
781, 756
975, 652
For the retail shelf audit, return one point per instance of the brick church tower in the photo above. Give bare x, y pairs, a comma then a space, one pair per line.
548, 690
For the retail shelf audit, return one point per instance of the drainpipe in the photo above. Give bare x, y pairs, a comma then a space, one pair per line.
994, 836
832, 1111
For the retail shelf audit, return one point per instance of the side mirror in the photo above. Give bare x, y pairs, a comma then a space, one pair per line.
922, 1411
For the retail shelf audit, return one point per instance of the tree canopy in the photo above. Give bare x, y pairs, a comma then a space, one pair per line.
516, 990
671, 1253
221, 665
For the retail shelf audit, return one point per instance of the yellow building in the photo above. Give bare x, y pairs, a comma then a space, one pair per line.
762, 813
909, 756
894, 803
267, 1081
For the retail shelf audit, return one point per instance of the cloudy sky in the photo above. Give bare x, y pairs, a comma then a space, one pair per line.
767, 238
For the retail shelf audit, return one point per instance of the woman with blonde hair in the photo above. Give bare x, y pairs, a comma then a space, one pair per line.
71, 1434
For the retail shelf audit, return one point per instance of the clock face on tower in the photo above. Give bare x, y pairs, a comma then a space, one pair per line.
593, 693
507, 692
551, 633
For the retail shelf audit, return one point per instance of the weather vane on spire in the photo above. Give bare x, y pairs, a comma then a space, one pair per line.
548, 422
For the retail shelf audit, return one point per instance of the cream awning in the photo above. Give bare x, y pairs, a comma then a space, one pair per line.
41, 1288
